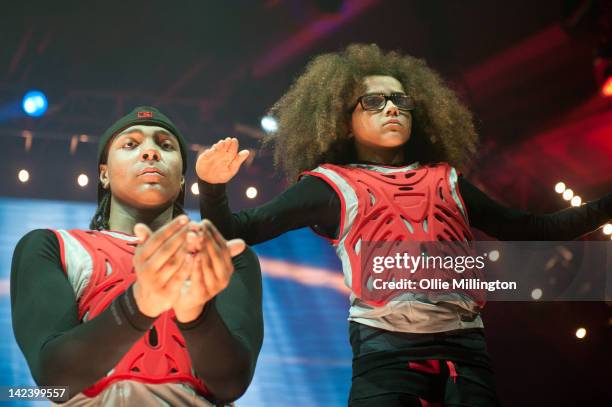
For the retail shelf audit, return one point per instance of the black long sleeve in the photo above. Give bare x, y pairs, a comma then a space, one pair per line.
61, 351
311, 202
511, 224
224, 342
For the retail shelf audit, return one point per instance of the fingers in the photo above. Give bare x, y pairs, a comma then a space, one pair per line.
218, 253
239, 159
197, 277
232, 146
236, 246
176, 281
194, 238
206, 274
158, 238
165, 254
175, 263
142, 232
227, 145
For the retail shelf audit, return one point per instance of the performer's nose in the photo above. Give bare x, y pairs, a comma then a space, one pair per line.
391, 109
150, 154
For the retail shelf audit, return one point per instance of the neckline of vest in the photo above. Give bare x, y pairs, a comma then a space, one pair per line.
412, 166
120, 235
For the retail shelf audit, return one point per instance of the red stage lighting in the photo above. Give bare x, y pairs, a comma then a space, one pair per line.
606, 88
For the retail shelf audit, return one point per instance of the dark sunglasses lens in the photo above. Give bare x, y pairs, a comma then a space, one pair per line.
403, 102
373, 102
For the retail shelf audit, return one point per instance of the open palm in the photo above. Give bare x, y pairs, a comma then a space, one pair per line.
219, 163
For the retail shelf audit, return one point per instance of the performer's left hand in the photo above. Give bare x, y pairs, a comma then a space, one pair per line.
211, 270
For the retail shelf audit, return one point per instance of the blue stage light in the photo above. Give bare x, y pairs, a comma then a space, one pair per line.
34, 103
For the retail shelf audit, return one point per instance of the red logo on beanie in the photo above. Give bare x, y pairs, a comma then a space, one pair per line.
145, 115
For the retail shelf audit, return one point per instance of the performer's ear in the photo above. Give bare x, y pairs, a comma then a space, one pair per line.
104, 179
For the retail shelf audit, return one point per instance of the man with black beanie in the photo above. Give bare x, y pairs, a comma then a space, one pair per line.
133, 319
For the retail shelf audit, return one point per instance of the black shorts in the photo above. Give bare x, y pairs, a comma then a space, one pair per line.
424, 383
420, 369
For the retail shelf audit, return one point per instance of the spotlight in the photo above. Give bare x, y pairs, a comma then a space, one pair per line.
269, 124
23, 176
568, 194
606, 88
195, 189
251, 192
83, 180
34, 103
576, 201
607, 229
581, 333
494, 255
560, 187
603, 68
536, 294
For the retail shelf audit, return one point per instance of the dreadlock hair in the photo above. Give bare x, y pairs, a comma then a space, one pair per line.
102, 215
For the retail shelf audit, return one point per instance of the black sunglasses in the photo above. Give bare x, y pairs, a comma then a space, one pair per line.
378, 101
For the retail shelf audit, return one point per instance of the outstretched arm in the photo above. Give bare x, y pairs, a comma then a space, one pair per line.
309, 202
511, 224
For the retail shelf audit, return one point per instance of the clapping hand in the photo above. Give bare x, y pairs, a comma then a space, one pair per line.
181, 266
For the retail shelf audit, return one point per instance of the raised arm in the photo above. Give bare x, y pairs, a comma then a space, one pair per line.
309, 202
511, 224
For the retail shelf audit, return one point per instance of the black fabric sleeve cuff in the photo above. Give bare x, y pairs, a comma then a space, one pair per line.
199, 320
126, 304
211, 190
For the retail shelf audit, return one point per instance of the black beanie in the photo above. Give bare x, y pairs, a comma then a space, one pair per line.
145, 115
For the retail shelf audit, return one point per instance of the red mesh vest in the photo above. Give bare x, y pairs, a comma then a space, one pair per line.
166, 361
392, 204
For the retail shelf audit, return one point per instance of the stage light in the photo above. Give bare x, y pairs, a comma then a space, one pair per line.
536, 294
251, 192
195, 189
607, 229
576, 201
560, 187
606, 88
603, 67
23, 176
581, 333
34, 103
269, 124
83, 180
568, 194
494, 255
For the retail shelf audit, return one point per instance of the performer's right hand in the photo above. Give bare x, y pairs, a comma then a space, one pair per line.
219, 163
161, 263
